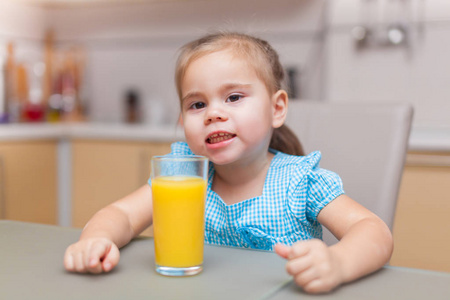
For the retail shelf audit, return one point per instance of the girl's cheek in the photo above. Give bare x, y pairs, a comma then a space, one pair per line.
193, 140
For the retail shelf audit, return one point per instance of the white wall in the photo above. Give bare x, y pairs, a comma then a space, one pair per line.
24, 26
418, 73
134, 45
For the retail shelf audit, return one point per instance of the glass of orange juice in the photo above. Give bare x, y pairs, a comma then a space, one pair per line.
179, 192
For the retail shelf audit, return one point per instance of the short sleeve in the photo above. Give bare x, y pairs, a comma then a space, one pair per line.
313, 188
177, 148
323, 187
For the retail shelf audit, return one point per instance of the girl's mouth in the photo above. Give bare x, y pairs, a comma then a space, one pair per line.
219, 137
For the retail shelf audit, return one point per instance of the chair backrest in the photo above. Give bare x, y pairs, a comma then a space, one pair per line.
364, 143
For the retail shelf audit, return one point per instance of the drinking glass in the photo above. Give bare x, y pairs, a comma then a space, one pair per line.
179, 192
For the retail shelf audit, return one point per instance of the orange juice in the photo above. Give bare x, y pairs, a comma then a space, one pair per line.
178, 220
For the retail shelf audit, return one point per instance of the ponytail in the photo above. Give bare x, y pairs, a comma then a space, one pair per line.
284, 140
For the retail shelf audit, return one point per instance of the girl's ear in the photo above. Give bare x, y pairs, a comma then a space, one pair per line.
279, 108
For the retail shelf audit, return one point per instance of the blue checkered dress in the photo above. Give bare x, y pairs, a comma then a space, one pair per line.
294, 192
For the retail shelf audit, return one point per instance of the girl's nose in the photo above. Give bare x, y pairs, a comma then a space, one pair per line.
215, 114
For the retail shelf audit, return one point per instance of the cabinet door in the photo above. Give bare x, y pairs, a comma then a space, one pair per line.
105, 171
422, 224
28, 183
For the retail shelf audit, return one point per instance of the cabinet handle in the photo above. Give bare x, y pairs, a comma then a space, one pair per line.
2, 189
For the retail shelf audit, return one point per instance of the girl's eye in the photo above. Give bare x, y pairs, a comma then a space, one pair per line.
197, 105
234, 98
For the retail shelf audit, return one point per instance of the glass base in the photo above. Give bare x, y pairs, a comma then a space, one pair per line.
171, 271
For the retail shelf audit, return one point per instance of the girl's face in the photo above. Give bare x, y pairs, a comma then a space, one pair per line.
228, 113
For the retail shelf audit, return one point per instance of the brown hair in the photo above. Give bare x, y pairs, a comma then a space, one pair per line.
260, 56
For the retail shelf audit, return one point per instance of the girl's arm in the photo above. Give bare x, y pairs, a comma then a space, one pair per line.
365, 241
109, 229
365, 246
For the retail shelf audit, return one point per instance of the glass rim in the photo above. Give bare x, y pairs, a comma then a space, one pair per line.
175, 157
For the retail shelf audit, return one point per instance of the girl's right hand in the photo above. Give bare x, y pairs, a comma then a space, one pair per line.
92, 255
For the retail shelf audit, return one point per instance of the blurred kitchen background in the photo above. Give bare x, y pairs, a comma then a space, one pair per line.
75, 72
342, 50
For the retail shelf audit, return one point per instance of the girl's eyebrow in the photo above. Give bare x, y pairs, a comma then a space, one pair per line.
232, 85
191, 95
223, 88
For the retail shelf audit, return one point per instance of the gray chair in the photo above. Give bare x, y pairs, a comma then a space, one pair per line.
364, 143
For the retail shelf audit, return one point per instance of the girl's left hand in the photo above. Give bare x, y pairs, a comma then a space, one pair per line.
313, 265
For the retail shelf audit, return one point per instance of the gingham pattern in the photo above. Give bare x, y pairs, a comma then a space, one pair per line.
295, 191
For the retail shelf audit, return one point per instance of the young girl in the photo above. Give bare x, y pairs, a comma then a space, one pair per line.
262, 193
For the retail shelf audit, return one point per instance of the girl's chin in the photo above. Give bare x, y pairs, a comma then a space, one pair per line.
221, 160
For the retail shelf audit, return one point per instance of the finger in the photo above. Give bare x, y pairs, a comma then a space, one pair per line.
111, 259
299, 249
317, 286
79, 262
68, 261
93, 259
298, 265
282, 250
307, 276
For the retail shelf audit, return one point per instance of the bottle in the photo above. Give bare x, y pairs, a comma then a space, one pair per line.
132, 107
3, 102
12, 103
34, 109
293, 90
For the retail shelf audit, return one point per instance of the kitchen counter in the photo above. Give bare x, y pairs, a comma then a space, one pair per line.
114, 131
429, 139
421, 139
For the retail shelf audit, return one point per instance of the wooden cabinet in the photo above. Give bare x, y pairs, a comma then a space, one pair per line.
104, 171
28, 181
422, 221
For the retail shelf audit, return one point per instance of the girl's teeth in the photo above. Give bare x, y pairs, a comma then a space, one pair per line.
217, 138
